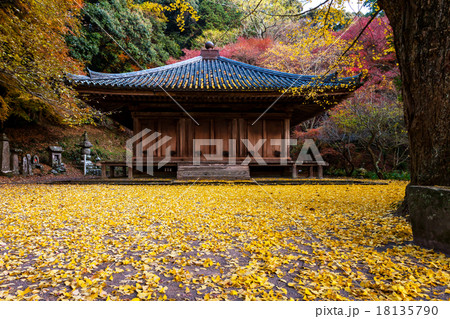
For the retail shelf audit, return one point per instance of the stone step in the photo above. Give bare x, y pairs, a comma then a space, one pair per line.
213, 171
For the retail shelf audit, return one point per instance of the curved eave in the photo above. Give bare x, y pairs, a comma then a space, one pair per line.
350, 87
210, 75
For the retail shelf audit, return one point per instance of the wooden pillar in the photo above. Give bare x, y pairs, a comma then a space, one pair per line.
130, 171
181, 138
211, 136
136, 130
159, 149
286, 136
136, 124
242, 135
264, 136
189, 152
233, 148
294, 171
320, 173
311, 172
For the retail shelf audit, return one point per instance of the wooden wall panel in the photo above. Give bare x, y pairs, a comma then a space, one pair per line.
203, 131
224, 126
146, 123
168, 127
150, 124
274, 130
255, 133
222, 131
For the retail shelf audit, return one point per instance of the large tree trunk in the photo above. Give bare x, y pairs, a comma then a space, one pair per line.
422, 42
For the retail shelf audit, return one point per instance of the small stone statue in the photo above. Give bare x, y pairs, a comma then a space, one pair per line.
24, 166
15, 160
29, 165
35, 162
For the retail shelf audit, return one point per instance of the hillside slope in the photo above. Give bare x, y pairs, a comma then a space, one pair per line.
108, 144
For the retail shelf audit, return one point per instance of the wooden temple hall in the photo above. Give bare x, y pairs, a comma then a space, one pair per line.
210, 97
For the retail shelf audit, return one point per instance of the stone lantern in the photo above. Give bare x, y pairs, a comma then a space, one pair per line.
88, 166
86, 146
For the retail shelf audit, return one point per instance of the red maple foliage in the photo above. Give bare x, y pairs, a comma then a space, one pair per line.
377, 55
247, 50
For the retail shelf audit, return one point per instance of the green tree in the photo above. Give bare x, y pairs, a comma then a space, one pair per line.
216, 15
140, 34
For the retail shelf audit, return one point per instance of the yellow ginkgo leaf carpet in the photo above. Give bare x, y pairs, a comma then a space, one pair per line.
212, 242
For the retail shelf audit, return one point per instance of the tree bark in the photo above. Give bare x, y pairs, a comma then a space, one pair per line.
422, 42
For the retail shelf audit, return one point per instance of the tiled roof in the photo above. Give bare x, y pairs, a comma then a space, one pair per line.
208, 73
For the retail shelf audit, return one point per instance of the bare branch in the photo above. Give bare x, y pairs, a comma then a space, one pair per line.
299, 14
253, 11
326, 18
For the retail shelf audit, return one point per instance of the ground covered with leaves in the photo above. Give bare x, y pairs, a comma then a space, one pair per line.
214, 242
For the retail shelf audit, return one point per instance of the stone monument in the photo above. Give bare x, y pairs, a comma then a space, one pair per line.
5, 156
29, 165
15, 160
55, 158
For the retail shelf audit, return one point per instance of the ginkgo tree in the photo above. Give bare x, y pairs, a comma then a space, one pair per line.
34, 60
421, 34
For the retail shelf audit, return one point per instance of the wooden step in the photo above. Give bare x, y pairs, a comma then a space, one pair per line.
213, 171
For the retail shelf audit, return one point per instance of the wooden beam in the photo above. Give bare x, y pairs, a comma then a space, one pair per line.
207, 115
201, 94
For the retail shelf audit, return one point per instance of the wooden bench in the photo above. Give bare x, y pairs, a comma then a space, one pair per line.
311, 165
112, 166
